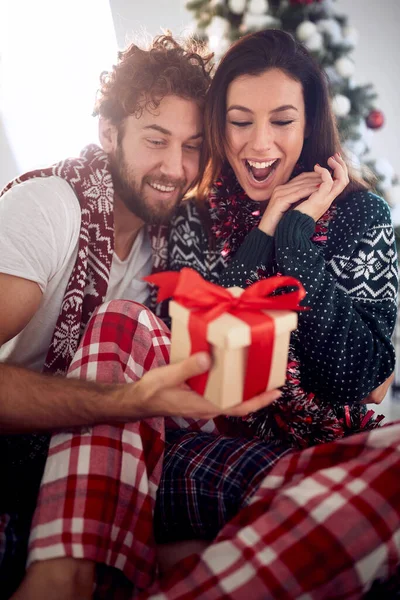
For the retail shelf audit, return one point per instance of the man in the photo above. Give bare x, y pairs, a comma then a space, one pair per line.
73, 236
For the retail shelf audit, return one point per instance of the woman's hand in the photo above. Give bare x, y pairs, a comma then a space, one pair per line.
320, 200
285, 196
311, 193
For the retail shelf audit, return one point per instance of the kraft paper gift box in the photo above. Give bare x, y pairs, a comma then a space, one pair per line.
230, 339
247, 337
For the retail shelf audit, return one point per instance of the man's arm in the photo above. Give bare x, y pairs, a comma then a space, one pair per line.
31, 401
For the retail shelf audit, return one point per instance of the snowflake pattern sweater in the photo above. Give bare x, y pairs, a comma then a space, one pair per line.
342, 348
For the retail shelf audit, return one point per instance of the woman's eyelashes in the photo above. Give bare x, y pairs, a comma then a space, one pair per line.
240, 123
283, 123
247, 123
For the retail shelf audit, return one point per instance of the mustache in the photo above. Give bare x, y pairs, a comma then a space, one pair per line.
167, 181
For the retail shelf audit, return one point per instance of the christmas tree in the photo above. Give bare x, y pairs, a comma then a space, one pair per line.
330, 38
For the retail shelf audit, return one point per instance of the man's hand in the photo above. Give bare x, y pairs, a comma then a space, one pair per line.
378, 395
163, 392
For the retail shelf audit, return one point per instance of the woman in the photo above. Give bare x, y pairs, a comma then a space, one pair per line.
277, 198
285, 202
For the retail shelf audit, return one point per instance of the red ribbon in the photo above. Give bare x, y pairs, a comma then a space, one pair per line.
208, 301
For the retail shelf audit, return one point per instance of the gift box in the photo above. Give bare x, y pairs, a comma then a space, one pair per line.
246, 331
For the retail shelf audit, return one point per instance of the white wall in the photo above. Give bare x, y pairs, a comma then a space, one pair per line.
51, 53
376, 60
132, 17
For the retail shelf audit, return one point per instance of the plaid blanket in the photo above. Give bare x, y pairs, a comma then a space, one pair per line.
324, 523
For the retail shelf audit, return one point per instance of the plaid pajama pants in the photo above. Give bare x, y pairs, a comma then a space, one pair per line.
102, 486
324, 522
206, 480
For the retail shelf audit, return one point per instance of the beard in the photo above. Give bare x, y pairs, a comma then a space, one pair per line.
134, 197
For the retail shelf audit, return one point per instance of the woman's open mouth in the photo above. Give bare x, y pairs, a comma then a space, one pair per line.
261, 171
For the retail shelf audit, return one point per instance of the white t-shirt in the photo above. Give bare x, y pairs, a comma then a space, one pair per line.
39, 233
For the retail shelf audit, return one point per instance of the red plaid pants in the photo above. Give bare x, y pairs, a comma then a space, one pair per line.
99, 487
324, 523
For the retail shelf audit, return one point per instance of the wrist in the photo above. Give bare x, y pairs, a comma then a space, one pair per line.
269, 224
121, 403
294, 231
308, 212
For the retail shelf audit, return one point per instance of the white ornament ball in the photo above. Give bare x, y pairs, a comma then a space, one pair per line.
237, 6
353, 157
218, 27
305, 30
332, 29
257, 22
350, 35
217, 36
384, 168
218, 46
315, 42
341, 105
258, 7
356, 147
345, 67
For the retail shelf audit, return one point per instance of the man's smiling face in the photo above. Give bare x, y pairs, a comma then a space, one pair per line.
157, 159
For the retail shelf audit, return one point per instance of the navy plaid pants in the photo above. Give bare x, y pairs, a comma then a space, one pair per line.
206, 480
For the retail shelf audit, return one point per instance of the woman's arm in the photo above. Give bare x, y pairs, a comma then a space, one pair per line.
255, 254
344, 340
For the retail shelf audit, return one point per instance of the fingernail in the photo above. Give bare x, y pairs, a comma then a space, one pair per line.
203, 360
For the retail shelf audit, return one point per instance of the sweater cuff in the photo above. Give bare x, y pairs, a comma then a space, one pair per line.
294, 230
256, 249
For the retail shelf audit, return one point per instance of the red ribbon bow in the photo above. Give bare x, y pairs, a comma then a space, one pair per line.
208, 301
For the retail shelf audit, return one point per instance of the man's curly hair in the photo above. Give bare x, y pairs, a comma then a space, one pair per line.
143, 77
